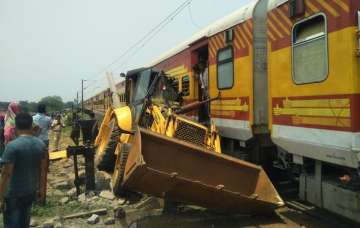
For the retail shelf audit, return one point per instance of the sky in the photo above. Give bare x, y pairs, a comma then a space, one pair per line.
48, 46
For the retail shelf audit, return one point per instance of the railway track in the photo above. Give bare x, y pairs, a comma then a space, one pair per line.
320, 214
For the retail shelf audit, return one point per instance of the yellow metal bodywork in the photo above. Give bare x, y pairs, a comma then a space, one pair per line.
104, 126
123, 117
124, 121
166, 124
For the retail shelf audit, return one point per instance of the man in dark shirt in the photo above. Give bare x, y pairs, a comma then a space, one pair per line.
19, 181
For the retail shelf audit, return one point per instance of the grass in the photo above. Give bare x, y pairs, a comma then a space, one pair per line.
53, 208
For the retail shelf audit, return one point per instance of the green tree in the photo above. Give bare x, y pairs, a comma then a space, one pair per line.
69, 104
24, 105
53, 103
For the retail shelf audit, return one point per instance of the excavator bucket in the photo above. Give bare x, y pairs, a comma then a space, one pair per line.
183, 172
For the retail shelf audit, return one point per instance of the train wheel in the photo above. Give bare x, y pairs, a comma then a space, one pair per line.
119, 171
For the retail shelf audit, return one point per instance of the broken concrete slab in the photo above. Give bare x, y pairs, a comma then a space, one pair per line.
82, 198
71, 193
94, 218
64, 200
107, 195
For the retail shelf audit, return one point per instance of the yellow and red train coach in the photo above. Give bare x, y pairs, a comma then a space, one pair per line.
314, 79
289, 70
288, 76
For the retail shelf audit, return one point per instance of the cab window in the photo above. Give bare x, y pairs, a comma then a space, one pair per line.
185, 85
309, 50
225, 68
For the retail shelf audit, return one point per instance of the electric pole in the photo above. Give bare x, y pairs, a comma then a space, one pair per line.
82, 97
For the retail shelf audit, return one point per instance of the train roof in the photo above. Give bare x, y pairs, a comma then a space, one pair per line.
272, 4
240, 15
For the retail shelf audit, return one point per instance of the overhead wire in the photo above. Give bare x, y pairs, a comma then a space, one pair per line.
151, 31
136, 47
192, 18
152, 36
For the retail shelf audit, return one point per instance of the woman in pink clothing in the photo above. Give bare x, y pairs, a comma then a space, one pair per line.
9, 129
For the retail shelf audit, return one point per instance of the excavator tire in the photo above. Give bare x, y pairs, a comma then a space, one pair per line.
119, 171
106, 161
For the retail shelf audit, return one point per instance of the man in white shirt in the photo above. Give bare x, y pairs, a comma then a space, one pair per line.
43, 124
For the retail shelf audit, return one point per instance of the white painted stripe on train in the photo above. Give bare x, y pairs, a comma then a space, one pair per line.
336, 147
341, 139
236, 129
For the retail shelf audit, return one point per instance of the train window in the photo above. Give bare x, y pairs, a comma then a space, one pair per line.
309, 50
175, 84
185, 85
225, 68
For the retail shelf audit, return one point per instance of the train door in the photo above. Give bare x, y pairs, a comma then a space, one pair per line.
200, 67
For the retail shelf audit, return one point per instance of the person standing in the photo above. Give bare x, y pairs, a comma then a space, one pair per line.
2, 138
57, 127
42, 124
19, 178
9, 128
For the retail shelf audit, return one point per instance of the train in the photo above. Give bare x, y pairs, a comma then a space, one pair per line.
288, 76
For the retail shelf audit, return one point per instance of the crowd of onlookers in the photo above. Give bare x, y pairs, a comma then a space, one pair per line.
24, 143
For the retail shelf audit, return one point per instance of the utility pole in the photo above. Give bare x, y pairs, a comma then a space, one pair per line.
77, 98
82, 97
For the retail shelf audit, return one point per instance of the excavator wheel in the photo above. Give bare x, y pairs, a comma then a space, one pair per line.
119, 171
106, 161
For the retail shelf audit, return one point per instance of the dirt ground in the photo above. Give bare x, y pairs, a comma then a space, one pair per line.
143, 211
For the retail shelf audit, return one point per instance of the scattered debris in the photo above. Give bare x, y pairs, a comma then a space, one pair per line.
119, 213
71, 193
149, 203
62, 185
34, 223
93, 219
107, 195
109, 221
82, 197
121, 201
58, 225
64, 200
48, 224
57, 193
102, 211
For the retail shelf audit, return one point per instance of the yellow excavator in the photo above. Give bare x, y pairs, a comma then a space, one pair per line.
150, 146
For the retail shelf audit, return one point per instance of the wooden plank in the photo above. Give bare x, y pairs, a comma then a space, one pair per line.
102, 211
58, 155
